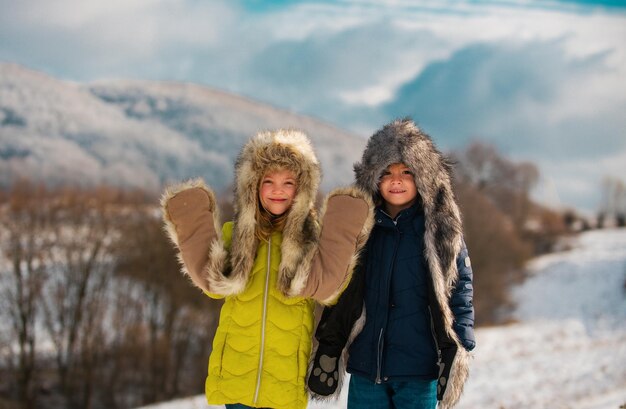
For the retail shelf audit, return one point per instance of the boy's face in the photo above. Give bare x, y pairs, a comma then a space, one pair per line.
277, 191
397, 187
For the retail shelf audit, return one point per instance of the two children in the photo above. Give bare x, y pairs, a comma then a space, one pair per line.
270, 264
413, 277
414, 280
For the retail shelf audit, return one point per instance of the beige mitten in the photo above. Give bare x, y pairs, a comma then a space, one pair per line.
190, 215
346, 223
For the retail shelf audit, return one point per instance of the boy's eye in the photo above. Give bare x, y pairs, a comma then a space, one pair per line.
407, 172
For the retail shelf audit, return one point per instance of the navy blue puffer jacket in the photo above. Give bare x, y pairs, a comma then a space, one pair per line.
398, 341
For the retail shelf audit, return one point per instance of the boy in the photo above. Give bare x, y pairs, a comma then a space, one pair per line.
414, 281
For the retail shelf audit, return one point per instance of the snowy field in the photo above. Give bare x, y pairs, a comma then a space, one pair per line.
567, 348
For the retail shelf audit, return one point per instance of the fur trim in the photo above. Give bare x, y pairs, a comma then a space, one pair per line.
170, 228
356, 192
402, 141
458, 375
220, 281
290, 149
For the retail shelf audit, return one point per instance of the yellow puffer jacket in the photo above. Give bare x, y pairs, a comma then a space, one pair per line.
262, 345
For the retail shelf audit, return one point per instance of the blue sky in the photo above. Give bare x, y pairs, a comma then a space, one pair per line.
544, 81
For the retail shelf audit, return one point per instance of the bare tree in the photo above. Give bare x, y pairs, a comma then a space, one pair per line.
80, 266
613, 203
497, 251
508, 184
173, 310
91, 273
23, 218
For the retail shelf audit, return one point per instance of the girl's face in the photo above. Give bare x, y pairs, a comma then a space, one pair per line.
397, 187
278, 188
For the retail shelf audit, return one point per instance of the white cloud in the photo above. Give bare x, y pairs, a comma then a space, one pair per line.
71, 14
453, 26
90, 40
371, 96
343, 61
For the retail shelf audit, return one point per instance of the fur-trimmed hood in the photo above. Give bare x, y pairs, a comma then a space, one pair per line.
290, 149
401, 141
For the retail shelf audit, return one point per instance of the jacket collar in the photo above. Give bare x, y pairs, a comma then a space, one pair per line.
383, 219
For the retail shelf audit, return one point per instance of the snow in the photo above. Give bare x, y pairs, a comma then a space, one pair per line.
142, 133
567, 345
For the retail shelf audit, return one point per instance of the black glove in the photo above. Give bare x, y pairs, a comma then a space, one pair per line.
324, 376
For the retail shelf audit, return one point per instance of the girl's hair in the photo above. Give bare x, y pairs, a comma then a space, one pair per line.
266, 222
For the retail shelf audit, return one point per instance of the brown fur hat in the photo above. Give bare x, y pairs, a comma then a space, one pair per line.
286, 149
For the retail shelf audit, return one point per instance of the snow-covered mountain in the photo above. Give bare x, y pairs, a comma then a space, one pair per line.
139, 133
567, 349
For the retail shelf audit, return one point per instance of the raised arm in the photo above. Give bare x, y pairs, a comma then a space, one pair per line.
347, 219
190, 216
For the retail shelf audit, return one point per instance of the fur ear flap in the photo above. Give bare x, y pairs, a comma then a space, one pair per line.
457, 376
297, 250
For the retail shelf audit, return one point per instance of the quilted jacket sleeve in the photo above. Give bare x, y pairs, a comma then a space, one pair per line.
461, 301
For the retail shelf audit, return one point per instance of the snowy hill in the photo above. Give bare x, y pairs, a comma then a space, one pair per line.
136, 133
568, 347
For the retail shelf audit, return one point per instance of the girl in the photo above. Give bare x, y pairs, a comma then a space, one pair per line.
269, 264
414, 279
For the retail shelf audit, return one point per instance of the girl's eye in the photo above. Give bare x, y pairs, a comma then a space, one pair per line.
265, 182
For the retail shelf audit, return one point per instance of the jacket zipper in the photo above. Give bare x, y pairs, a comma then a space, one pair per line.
432, 330
381, 339
379, 355
267, 281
